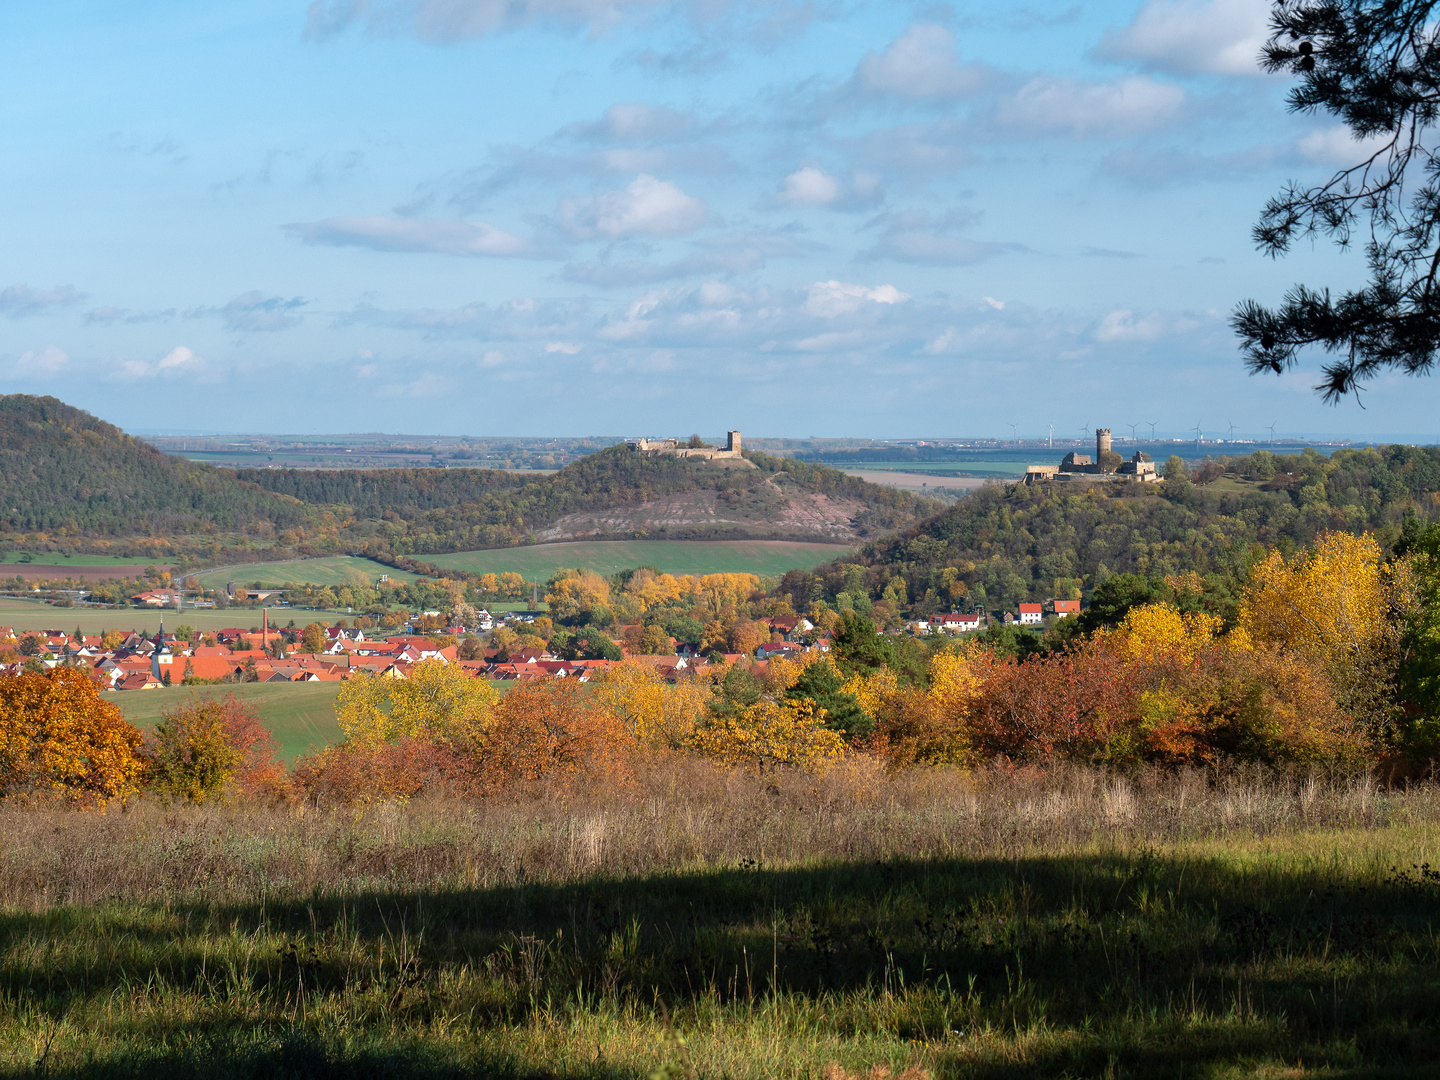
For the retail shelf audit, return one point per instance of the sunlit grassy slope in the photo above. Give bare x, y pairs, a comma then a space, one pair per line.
301, 716
539, 562
334, 570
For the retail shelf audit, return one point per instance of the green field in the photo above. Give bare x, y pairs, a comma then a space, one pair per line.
328, 571
768, 558
54, 558
34, 615
300, 715
737, 926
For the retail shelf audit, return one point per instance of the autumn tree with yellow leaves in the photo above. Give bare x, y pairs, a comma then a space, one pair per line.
438, 701
768, 735
658, 714
57, 736
1341, 608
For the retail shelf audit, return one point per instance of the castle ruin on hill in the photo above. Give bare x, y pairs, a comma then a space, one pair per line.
676, 448
1107, 465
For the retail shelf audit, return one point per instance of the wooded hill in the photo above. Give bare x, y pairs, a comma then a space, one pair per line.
68, 478
1008, 544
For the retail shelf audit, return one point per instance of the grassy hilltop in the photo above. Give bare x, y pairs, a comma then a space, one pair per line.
70, 482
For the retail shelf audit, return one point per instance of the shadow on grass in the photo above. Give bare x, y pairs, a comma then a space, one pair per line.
1135, 964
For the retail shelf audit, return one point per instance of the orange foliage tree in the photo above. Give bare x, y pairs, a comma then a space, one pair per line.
58, 736
551, 730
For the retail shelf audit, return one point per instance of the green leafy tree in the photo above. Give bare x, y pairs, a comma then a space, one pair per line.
858, 648
821, 684
736, 692
1374, 65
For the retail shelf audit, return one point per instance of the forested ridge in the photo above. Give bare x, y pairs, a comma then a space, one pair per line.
70, 478
1008, 544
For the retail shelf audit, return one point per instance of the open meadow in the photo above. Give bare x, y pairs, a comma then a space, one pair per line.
704, 923
767, 558
49, 566
301, 716
37, 615
332, 570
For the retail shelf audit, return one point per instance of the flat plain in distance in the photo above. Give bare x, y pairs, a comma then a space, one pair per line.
922, 482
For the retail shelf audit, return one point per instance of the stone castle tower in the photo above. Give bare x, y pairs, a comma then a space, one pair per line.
1102, 443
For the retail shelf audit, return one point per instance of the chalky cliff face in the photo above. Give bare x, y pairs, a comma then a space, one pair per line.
1079, 466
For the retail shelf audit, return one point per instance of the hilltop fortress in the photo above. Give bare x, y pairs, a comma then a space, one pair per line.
1107, 465
676, 448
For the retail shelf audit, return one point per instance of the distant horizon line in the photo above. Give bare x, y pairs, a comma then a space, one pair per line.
1365, 438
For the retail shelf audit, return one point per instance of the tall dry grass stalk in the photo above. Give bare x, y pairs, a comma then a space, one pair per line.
683, 815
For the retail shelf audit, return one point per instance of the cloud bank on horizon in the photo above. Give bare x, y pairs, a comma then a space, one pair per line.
654, 216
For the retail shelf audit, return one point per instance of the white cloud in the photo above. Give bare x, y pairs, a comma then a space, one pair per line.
568, 348
1051, 105
178, 357
1123, 325
435, 236
181, 359
932, 240
17, 301
1336, 146
734, 253
644, 207
50, 360
921, 63
809, 186
1189, 37
254, 312
637, 121
454, 20
830, 299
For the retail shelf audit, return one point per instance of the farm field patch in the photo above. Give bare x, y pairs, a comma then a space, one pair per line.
51, 558
920, 483
301, 716
34, 615
333, 570
768, 558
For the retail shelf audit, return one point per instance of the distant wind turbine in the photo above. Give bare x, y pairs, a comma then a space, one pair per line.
1052, 436
1152, 424
1132, 428
1232, 430
1272, 434
1199, 436
1014, 429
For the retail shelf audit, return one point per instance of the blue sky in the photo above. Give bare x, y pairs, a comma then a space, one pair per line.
636, 216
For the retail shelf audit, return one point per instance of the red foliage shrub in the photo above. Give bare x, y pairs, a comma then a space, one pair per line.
1099, 703
403, 769
1060, 706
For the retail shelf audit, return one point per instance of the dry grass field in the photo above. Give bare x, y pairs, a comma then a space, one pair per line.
705, 923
